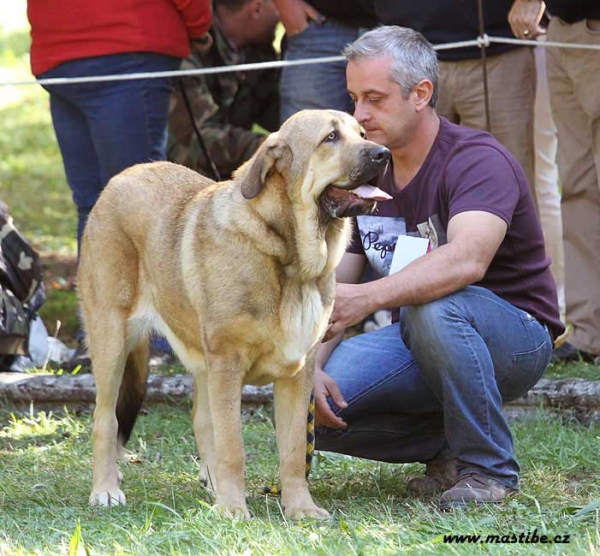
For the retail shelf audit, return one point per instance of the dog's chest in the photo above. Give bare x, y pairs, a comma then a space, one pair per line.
302, 322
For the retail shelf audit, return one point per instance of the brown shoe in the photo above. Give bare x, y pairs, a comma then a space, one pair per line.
474, 489
440, 475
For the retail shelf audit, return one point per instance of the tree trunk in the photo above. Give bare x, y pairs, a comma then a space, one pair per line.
579, 397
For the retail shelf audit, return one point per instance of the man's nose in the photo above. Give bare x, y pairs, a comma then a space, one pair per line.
360, 113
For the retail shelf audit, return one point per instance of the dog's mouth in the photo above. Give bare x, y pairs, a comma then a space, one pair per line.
341, 202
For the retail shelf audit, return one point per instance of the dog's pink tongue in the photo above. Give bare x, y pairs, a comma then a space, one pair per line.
371, 192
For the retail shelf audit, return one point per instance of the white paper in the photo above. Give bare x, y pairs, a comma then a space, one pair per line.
408, 248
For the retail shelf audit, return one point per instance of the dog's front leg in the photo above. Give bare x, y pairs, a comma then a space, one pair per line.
203, 431
292, 397
225, 392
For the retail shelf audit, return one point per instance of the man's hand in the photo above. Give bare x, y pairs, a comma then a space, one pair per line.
295, 15
524, 18
325, 387
352, 305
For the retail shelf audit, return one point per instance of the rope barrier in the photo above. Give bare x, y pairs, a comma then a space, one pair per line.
482, 41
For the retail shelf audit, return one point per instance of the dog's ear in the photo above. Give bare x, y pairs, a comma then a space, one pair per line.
260, 165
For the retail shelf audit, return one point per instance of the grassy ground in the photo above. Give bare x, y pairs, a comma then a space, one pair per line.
45, 459
45, 480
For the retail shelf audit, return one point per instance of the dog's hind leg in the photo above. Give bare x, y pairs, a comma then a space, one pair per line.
120, 389
203, 430
291, 399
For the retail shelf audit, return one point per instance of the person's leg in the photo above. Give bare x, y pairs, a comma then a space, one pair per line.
78, 153
320, 85
572, 74
103, 128
511, 93
546, 177
128, 119
392, 415
476, 351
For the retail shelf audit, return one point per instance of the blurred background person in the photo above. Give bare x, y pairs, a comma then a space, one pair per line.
223, 107
104, 127
572, 76
315, 29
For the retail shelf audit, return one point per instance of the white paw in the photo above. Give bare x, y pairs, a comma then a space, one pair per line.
107, 498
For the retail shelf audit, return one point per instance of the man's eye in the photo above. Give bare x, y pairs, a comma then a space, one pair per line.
333, 136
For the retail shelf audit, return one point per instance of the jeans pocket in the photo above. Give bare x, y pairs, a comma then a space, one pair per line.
528, 366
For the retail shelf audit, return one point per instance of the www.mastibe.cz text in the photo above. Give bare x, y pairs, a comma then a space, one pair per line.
531, 537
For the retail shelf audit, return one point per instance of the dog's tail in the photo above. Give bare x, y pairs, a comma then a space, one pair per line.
133, 390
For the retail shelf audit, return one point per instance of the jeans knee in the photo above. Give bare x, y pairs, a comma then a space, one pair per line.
423, 322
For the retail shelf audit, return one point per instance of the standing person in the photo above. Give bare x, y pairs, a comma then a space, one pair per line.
104, 127
226, 105
546, 184
478, 311
572, 75
316, 29
510, 69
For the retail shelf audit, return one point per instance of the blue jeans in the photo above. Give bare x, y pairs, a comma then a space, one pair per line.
316, 85
469, 352
103, 128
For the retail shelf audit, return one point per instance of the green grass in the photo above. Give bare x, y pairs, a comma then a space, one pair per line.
45, 459
45, 475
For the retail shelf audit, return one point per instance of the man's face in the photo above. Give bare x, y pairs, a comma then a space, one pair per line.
379, 105
263, 27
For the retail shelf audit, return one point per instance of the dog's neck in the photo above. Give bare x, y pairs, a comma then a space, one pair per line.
304, 242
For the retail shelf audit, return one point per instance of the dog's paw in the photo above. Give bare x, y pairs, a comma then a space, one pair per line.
107, 498
310, 512
240, 513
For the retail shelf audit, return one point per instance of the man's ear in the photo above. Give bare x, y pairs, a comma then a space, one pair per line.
422, 94
260, 165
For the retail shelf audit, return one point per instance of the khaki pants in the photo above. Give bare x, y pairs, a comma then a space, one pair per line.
574, 82
547, 189
511, 91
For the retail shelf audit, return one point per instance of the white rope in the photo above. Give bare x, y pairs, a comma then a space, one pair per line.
482, 41
545, 44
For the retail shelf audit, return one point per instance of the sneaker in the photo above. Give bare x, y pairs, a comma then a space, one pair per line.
474, 489
440, 475
569, 353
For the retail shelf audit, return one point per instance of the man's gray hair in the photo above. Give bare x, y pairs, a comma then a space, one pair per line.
413, 57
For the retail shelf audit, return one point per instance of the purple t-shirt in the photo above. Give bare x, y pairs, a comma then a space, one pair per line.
465, 170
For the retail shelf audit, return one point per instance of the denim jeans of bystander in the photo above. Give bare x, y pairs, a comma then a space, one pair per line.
104, 127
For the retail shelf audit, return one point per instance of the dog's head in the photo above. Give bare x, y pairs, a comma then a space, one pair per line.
324, 161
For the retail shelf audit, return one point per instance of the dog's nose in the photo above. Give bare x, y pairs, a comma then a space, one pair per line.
379, 154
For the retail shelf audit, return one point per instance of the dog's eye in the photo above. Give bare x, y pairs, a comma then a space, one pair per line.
333, 136
363, 134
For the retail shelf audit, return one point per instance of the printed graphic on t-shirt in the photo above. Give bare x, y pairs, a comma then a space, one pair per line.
379, 235
433, 231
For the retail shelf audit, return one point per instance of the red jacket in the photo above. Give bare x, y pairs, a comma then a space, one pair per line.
69, 29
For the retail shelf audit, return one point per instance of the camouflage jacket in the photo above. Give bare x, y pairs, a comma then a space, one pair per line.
21, 288
225, 107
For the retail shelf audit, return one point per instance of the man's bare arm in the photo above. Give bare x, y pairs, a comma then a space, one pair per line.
473, 239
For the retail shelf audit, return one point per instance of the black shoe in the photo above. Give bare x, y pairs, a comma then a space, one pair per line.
80, 362
569, 353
